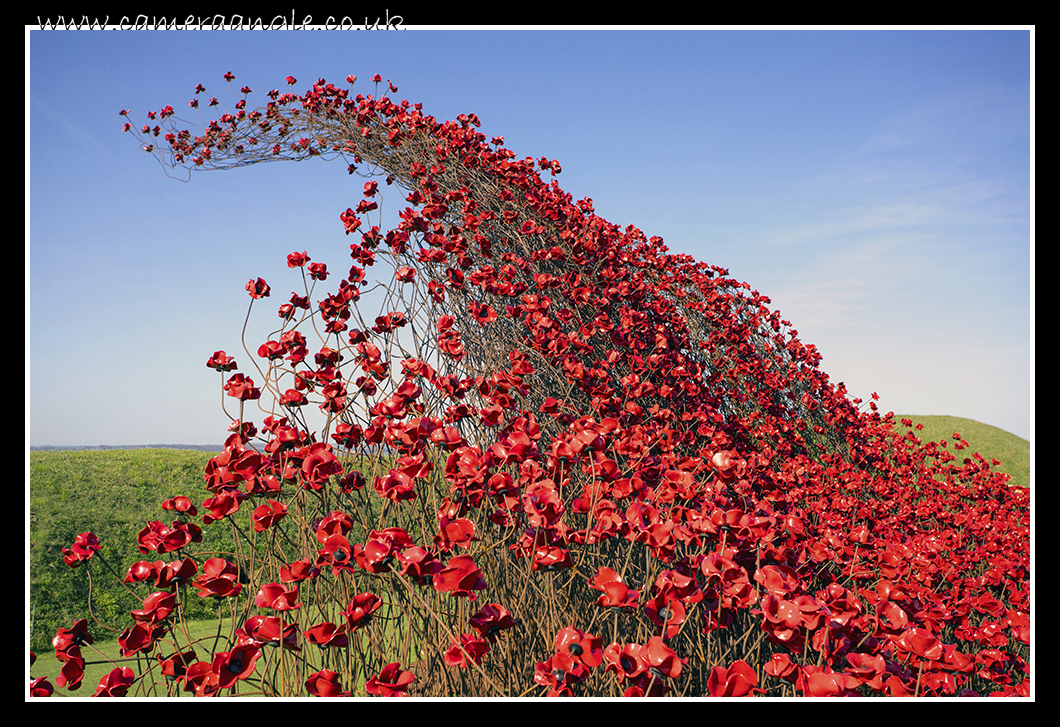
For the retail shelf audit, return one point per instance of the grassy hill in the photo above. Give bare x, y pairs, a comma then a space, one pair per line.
1014, 453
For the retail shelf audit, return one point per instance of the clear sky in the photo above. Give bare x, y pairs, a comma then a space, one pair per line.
876, 185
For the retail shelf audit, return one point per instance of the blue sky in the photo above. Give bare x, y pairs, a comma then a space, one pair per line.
876, 185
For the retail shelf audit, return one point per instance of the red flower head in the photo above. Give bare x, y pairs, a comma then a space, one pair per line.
258, 288
418, 564
627, 662
298, 570
815, 681
219, 579
921, 642
327, 634
469, 648
267, 630
85, 546
116, 683
201, 679
41, 687
738, 680
574, 647
175, 667
318, 464
140, 637
278, 598
143, 571
390, 682
491, 619
666, 611
361, 609
662, 658
265, 516
397, 486
460, 577
378, 552
222, 362
73, 670
325, 683
782, 667
180, 503
231, 666
297, 259
241, 387
157, 607
65, 639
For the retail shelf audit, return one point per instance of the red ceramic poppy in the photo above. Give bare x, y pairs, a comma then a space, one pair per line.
220, 361
325, 683
201, 679
626, 661
662, 658
491, 619
573, 645
258, 288
782, 667
278, 598
460, 577
327, 634
219, 579
231, 666
72, 672
616, 594
265, 516
392, 681
175, 667
241, 387
41, 687
823, 682
140, 637
157, 607
469, 649
361, 609
116, 683
267, 631
67, 639
85, 546
736, 680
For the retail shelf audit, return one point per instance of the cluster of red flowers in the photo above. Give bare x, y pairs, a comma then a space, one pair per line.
545, 390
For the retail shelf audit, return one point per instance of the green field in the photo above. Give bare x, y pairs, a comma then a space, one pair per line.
1014, 453
113, 493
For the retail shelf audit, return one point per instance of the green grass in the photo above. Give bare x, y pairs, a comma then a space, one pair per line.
112, 493
1014, 453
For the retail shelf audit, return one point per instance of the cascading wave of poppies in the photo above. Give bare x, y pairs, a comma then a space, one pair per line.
557, 459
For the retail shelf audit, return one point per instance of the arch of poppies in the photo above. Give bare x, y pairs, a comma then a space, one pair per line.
548, 408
